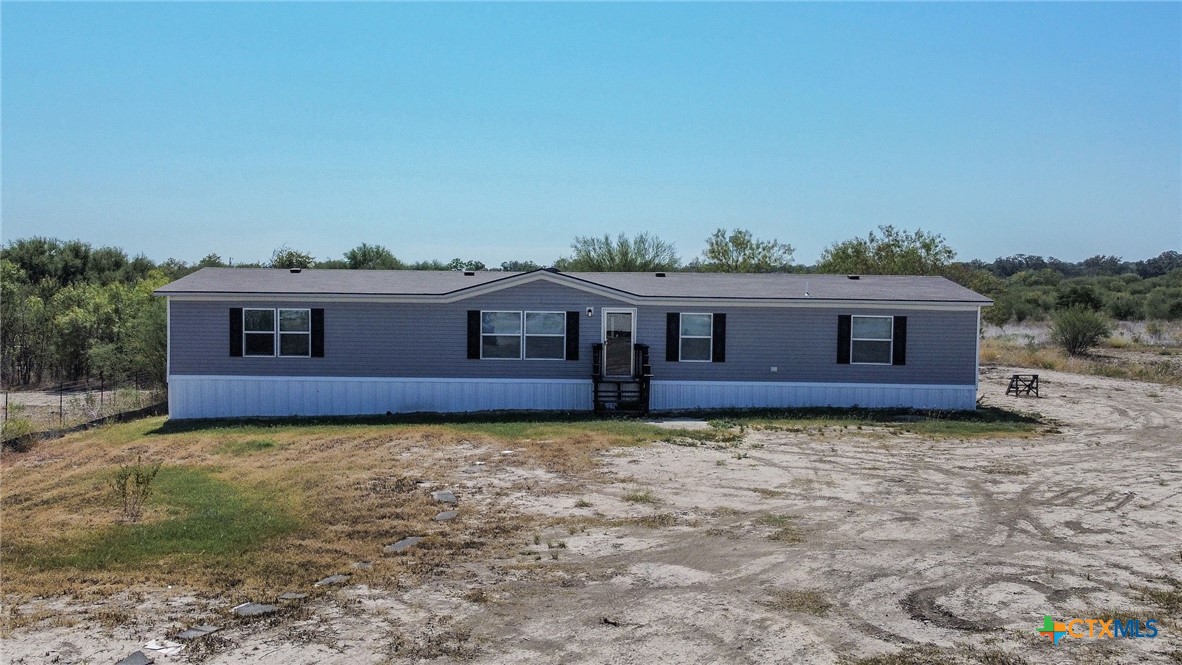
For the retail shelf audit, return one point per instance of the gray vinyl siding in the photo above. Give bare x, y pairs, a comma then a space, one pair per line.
386, 339
368, 339
801, 344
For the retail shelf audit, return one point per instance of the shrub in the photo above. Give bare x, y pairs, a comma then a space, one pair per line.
1078, 294
1164, 303
132, 485
15, 428
1125, 307
1078, 328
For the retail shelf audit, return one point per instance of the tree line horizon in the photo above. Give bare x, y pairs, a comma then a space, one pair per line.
69, 310
888, 250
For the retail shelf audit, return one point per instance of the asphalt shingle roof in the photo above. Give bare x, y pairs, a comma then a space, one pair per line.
728, 286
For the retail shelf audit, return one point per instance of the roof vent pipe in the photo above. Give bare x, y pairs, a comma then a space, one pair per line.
295, 271
853, 277
469, 273
660, 274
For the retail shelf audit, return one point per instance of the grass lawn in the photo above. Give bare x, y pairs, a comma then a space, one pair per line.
247, 508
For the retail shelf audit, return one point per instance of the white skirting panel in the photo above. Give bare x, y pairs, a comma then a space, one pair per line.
676, 395
245, 396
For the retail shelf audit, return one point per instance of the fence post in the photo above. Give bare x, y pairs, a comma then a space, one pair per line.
61, 403
102, 385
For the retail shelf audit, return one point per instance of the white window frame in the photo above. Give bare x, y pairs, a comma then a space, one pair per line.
520, 332
525, 335
681, 337
274, 327
890, 340
279, 333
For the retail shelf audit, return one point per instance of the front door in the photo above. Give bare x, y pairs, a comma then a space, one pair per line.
619, 329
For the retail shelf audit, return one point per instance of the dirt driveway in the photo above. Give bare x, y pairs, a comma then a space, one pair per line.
793, 547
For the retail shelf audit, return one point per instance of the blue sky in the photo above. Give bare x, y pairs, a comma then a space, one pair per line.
501, 131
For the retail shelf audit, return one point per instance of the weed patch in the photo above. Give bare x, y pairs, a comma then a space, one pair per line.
641, 496
1169, 599
802, 602
245, 447
785, 529
1005, 469
961, 654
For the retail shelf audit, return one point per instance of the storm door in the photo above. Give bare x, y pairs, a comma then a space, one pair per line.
619, 330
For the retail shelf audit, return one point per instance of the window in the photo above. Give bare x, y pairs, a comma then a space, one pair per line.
295, 332
871, 339
517, 335
291, 337
696, 337
258, 332
500, 335
545, 335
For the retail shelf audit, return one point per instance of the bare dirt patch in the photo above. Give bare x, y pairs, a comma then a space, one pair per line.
819, 545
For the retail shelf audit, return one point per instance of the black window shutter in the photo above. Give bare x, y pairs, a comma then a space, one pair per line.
843, 339
572, 335
317, 333
474, 334
899, 355
235, 332
672, 337
718, 338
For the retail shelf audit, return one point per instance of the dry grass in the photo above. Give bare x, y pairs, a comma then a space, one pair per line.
641, 496
1005, 469
798, 601
961, 654
1141, 365
244, 509
785, 527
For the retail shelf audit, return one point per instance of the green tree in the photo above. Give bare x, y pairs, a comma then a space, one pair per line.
741, 252
25, 325
286, 257
519, 266
1078, 293
643, 253
372, 257
1164, 302
460, 264
889, 252
83, 317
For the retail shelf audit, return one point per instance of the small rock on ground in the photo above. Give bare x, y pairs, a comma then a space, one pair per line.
445, 516
444, 496
254, 609
332, 579
137, 658
402, 545
292, 595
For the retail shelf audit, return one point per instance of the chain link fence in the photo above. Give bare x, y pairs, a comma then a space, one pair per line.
73, 403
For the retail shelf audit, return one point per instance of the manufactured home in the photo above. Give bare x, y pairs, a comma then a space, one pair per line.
276, 342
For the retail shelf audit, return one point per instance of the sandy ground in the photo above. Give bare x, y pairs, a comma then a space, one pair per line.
964, 545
